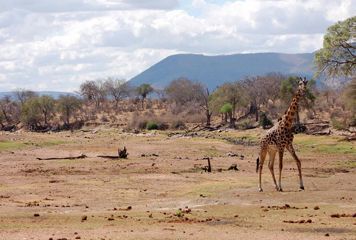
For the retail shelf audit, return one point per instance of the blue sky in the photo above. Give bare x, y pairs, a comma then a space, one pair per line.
56, 45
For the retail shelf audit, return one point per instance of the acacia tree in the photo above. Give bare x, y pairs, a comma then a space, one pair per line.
23, 95
183, 91
67, 106
31, 113
260, 89
118, 89
47, 107
226, 110
232, 93
10, 110
93, 91
144, 90
338, 55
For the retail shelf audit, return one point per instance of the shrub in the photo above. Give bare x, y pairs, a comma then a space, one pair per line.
265, 122
151, 125
226, 108
246, 124
178, 124
338, 124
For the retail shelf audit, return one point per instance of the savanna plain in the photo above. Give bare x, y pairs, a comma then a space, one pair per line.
161, 191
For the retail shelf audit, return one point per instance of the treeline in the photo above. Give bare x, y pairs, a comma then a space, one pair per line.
246, 103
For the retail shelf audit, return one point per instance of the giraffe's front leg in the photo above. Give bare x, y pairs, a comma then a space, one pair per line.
281, 152
263, 154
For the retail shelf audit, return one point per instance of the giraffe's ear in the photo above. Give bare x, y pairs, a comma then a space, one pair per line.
305, 80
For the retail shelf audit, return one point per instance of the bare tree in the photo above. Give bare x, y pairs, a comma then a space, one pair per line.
93, 91
260, 89
10, 110
23, 95
184, 91
118, 89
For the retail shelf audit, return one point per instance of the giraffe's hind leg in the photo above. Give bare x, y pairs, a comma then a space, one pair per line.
263, 154
281, 152
272, 155
299, 165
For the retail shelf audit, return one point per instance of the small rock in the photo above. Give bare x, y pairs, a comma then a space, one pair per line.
327, 234
316, 208
36, 215
84, 218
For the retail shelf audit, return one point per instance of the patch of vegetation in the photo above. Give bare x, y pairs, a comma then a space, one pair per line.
265, 122
11, 145
151, 125
325, 144
347, 164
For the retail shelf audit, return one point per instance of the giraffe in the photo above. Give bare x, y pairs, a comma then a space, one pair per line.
279, 138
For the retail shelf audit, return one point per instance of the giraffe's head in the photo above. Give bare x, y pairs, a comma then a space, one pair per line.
302, 84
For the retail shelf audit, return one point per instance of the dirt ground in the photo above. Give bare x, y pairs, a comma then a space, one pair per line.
161, 191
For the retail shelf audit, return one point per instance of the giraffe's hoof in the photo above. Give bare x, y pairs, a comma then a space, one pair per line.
280, 189
260, 190
301, 188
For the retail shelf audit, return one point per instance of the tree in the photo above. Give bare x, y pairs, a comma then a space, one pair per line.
350, 97
116, 88
288, 90
67, 106
2, 120
31, 113
260, 89
338, 55
226, 110
232, 93
47, 107
183, 91
93, 91
10, 110
144, 90
23, 95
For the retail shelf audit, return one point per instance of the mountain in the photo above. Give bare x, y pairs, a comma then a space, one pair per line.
215, 70
55, 95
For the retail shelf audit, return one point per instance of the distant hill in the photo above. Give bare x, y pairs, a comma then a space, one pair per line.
55, 95
215, 70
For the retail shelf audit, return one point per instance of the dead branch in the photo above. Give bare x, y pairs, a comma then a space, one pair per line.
121, 153
64, 158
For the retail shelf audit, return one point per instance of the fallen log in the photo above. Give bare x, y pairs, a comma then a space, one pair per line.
108, 156
64, 158
121, 153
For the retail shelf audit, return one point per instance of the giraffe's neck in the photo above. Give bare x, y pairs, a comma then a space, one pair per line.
288, 117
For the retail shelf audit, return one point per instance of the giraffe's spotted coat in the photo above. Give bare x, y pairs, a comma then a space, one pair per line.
280, 137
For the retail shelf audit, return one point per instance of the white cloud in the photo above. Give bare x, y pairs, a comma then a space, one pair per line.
55, 45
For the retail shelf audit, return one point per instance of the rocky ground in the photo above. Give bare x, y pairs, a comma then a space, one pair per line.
161, 192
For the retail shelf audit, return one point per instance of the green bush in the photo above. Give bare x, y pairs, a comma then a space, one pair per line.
151, 125
265, 122
226, 108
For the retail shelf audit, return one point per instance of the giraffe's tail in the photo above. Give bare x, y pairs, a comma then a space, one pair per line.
257, 163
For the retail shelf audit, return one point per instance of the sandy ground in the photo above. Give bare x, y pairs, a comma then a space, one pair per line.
160, 191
